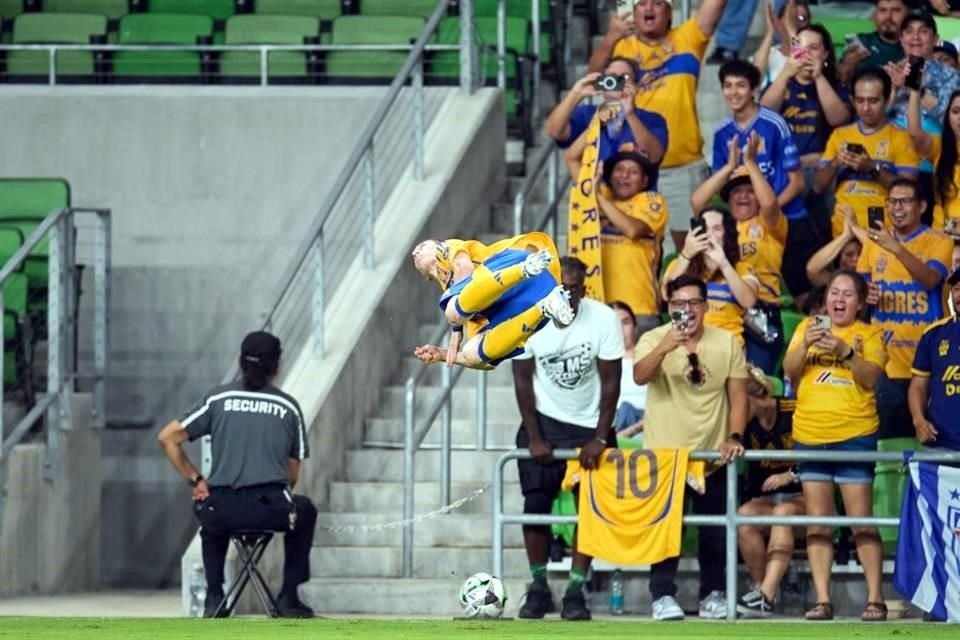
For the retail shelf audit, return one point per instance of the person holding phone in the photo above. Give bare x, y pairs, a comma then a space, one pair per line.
761, 236
944, 152
905, 263
781, 25
863, 158
874, 49
835, 364
840, 253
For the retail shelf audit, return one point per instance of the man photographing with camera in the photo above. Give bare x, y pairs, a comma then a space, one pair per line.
696, 379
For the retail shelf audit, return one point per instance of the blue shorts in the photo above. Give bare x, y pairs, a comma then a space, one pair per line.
839, 471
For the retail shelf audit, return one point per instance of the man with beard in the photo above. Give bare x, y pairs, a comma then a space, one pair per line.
878, 48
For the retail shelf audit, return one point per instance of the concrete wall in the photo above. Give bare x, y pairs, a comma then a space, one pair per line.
211, 191
50, 527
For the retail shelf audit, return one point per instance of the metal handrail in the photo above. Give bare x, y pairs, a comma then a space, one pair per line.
548, 157
730, 520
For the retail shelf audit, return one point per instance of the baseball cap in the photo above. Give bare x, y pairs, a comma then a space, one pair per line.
954, 277
919, 15
261, 347
649, 169
948, 48
739, 177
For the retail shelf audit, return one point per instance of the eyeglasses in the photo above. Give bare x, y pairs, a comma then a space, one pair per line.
696, 374
900, 202
692, 303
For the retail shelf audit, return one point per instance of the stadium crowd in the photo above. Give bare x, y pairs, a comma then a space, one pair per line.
824, 229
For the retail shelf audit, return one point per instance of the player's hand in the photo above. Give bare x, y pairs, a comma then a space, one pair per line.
777, 481
926, 432
453, 348
202, 491
590, 454
430, 354
541, 450
730, 450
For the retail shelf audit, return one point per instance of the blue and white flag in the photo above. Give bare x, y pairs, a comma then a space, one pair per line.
928, 547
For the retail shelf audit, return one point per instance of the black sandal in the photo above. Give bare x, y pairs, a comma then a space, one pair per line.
875, 612
820, 611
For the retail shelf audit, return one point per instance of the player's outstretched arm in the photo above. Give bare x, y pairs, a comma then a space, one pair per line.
432, 354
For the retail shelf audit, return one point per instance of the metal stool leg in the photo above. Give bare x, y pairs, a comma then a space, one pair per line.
250, 548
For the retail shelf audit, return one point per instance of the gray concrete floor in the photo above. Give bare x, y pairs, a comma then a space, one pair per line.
99, 604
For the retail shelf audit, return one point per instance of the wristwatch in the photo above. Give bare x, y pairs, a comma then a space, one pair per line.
849, 356
736, 437
195, 481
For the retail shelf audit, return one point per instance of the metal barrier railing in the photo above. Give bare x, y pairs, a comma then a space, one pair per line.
64, 240
730, 520
547, 158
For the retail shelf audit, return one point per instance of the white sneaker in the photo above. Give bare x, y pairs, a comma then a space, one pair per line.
666, 608
714, 606
556, 306
536, 263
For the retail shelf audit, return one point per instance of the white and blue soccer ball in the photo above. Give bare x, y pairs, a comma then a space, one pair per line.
483, 596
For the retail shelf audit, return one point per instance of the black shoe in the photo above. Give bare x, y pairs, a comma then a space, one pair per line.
211, 604
575, 606
538, 602
721, 55
291, 607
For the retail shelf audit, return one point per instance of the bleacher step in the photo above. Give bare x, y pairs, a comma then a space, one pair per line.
386, 465
379, 497
501, 402
453, 530
463, 432
428, 562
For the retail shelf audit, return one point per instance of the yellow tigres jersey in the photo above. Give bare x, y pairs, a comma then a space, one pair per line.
951, 209
890, 146
761, 246
630, 266
479, 252
905, 307
630, 509
831, 406
667, 85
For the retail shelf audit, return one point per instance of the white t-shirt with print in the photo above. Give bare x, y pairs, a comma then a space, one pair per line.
566, 384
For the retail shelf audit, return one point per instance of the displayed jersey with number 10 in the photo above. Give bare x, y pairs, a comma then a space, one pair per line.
630, 508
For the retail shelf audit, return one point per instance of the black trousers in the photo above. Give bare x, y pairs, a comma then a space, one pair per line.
269, 507
711, 547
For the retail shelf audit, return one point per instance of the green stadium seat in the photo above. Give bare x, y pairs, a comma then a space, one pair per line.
159, 29
369, 66
790, 319
523, 9
10, 9
113, 9
422, 8
24, 203
840, 27
324, 9
889, 485
948, 27
269, 29
15, 292
216, 9
58, 28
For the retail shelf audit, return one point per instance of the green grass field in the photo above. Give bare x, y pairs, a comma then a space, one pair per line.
626, 629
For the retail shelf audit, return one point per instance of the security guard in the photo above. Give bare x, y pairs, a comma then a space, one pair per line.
258, 440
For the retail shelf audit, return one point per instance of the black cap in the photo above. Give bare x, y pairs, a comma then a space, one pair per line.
649, 168
954, 277
919, 15
260, 347
740, 176
948, 48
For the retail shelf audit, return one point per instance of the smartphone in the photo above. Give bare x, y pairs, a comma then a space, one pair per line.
680, 319
625, 9
852, 41
855, 147
875, 217
698, 223
822, 321
912, 81
798, 51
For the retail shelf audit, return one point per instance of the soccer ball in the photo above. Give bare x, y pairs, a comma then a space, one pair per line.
483, 596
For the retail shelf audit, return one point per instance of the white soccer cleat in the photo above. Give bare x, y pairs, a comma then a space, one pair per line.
556, 306
536, 263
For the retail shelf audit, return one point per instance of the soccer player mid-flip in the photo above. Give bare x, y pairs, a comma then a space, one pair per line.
499, 295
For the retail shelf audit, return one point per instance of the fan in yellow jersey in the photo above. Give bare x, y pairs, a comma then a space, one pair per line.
761, 234
867, 155
835, 361
631, 505
669, 59
499, 294
946, 211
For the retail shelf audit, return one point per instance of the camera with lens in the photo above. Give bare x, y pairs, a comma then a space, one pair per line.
610, 83
681, 319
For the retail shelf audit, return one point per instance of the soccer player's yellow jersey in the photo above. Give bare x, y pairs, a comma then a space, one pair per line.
630, 508
950, 210
479, 252
667, 85
905, 308
630, 266
723, 310
761, 247
890, 146
831, 406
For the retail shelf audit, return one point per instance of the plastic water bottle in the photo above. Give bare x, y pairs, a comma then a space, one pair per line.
198, 590
616, 593
788, 390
